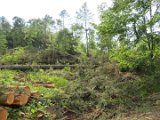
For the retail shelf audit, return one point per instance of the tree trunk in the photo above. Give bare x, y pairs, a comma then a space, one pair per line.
87, 45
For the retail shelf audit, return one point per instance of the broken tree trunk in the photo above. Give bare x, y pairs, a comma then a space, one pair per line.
6, 98
20, 99
3, 114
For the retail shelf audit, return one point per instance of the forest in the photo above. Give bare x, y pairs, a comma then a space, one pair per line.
55, 69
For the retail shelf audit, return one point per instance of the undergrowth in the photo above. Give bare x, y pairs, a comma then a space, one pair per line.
102, 94
93, 93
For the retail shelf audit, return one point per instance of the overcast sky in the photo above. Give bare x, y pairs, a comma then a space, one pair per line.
28, 9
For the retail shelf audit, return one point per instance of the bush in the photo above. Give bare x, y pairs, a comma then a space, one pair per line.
12, 56
131, 59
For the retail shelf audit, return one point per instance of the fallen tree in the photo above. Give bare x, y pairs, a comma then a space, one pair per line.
44, 84
26, 67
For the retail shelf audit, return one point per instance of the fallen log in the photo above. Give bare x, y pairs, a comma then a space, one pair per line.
26, 67
46, 84
42, 82
3, 113
6, 98
35, 94
20, 99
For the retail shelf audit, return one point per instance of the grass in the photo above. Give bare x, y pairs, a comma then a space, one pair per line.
7, 77
51, 76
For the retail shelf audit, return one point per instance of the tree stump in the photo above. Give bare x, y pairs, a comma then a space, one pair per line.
20, 99
3, 114
6, 98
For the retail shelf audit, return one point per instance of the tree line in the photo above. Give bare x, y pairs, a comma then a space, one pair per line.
48, 32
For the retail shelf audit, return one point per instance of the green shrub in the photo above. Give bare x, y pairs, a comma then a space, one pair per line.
13, 56
130, 59
6, 77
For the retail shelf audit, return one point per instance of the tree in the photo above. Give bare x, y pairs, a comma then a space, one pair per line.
3, 41
48, 23
17, 33
63, 15
85, 16
131, 24
38, 32
65, 41
77, 30
58, 25
5, 25
91, 37
5, 31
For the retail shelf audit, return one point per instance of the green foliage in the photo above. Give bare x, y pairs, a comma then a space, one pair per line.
130, 29
65, 41
38, 32
42, 75
130, 59
46, 92
98, 89
6, 77
5, 29
34, 106
13, 57
41, 34
3, 41
17, 33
